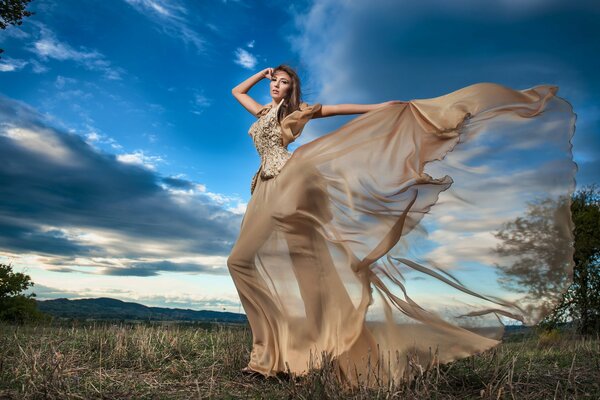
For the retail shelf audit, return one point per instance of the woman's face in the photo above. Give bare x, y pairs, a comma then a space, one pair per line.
281, 84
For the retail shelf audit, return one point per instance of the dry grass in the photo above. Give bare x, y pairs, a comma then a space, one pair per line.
169, 362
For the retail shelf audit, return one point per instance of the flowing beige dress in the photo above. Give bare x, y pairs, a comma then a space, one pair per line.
409, 236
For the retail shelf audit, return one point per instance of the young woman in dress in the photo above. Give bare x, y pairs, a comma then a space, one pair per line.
342, 255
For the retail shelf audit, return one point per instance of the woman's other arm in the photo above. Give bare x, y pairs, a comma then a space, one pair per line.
345, 109
241, 90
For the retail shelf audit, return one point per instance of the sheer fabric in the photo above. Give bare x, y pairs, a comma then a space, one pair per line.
410, 235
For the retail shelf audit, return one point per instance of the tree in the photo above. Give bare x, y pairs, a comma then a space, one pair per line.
15, 306
582, 301
12, 12
537, 244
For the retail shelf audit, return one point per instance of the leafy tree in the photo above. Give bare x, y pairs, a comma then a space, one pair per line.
12, 12
536, 243
582, 301
15, 306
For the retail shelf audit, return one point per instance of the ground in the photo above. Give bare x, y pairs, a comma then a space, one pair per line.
158, 361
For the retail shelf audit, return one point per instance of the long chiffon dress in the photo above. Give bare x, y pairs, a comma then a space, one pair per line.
409, 236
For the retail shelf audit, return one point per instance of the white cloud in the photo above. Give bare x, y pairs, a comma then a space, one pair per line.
244, 58
49, 47
172, 17
15, 32
60, 82
138, 157
202, 101
152, 138
199, 103
11, 64
239, 208
233, 204
37, 67
156, 108
455, 248
37, 141
212, 27
94, 138
250, 44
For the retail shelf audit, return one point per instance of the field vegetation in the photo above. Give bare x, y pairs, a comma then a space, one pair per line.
169, 361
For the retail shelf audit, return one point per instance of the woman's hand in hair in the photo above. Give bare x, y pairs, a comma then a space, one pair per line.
267, 73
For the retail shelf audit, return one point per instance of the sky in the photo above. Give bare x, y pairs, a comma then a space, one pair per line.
126, 160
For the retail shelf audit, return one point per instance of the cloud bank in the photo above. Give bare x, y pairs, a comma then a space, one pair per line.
94, 212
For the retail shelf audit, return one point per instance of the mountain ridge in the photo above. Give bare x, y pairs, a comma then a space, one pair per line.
109, 308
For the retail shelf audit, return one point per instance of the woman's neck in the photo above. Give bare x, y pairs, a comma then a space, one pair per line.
275, 103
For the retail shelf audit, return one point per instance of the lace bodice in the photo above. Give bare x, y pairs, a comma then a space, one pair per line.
271, 138
266, 134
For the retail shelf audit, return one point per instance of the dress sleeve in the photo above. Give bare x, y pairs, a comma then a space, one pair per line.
263, 110
292, 125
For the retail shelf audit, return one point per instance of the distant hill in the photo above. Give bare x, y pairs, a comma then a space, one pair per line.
107, 308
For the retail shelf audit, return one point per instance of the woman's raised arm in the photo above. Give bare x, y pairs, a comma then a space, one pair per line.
345, 109
241, 90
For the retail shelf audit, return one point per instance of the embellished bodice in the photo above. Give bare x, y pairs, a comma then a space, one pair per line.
271, 138
266, 134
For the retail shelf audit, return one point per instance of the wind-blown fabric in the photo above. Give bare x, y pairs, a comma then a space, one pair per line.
410, 235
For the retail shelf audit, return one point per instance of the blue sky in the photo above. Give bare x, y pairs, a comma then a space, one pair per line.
129, 160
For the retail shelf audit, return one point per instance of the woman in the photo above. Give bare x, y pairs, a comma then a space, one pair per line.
309, 262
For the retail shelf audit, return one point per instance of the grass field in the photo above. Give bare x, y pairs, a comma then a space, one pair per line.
129, 361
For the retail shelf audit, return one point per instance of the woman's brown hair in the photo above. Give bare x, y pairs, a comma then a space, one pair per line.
293, 99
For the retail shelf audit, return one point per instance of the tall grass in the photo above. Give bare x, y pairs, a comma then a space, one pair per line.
127, 361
